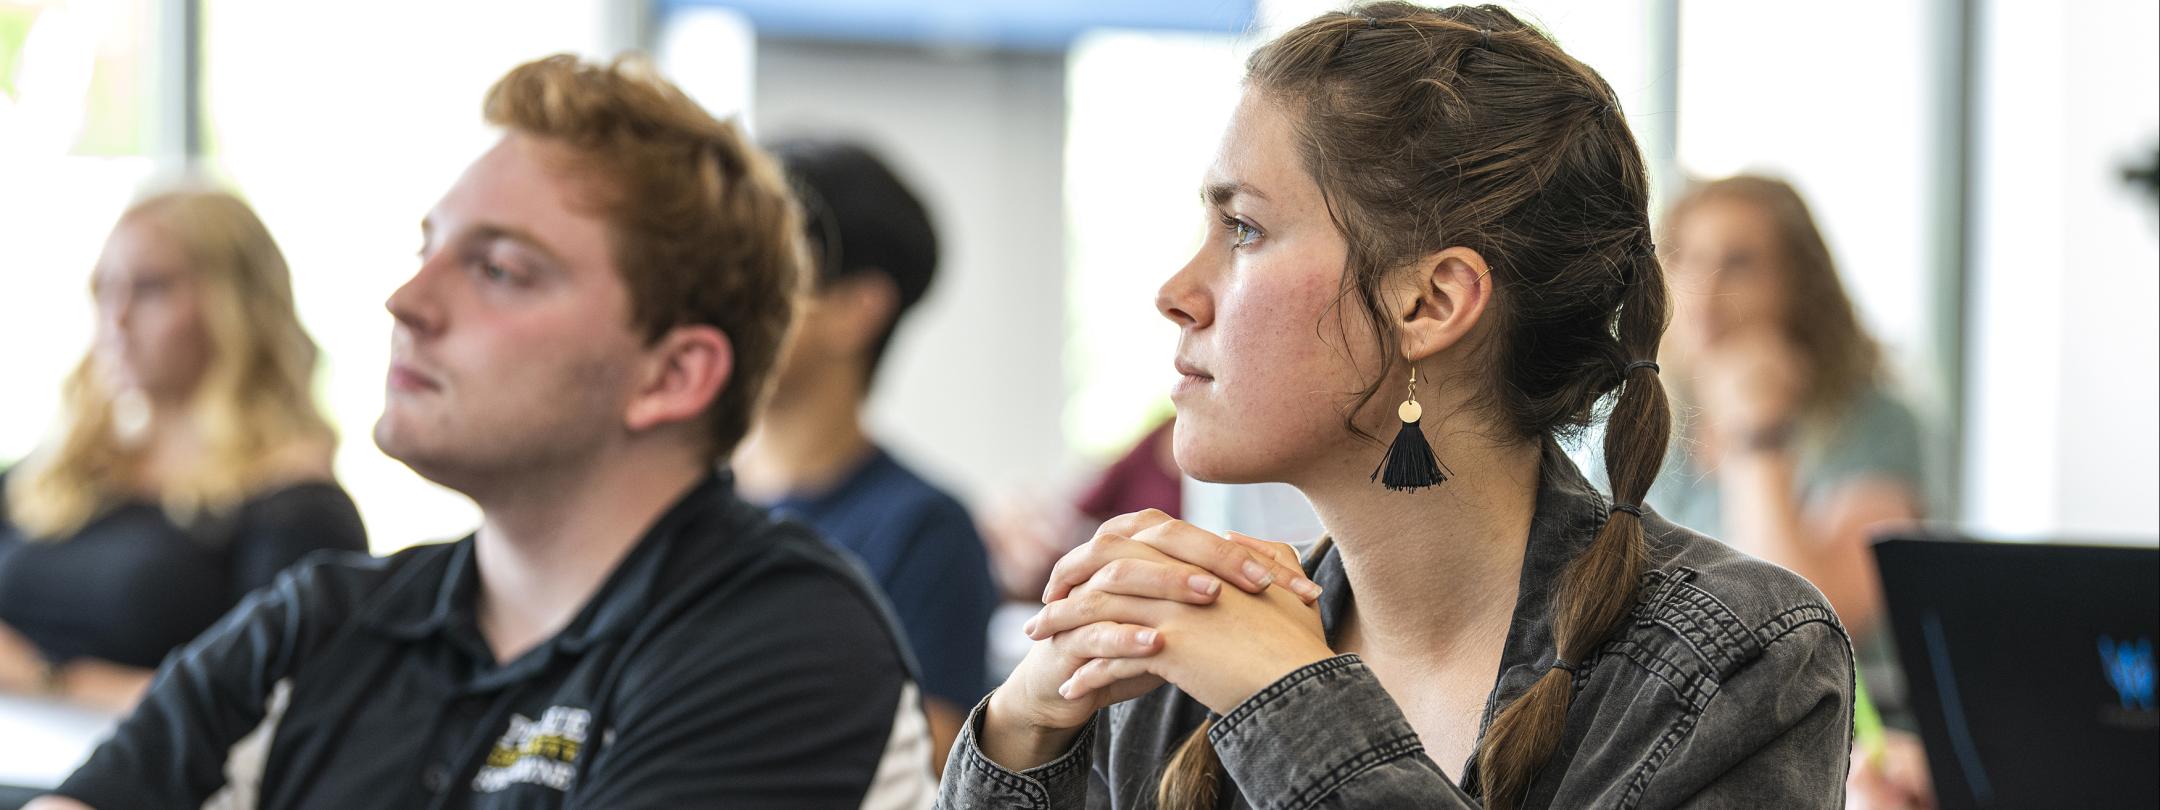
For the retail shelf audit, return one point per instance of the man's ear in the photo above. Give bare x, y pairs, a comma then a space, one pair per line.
864, 304
685, 371
1449, 291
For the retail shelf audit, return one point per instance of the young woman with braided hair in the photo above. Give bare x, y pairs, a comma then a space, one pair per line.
1444, 203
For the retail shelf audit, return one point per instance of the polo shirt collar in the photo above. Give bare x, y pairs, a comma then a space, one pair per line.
440, 599
422, 599
624, 598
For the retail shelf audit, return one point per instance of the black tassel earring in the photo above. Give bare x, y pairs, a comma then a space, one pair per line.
1409, 464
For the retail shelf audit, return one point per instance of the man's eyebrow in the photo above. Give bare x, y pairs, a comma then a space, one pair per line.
517, 234
1218, 194
496, 231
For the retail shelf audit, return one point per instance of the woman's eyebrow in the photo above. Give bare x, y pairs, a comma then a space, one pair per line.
1219, 193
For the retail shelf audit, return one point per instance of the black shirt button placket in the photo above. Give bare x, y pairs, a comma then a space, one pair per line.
436, 779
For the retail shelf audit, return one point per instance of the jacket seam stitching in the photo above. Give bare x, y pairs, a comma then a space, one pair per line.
1036, 795
1638, 783
1689, 687
1327, 783
1718, 636
1269, 695
1793, 619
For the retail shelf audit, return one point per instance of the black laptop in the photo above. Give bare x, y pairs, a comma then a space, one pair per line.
2030, 669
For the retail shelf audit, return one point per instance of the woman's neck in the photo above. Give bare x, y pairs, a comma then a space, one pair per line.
169, 447
1437, 568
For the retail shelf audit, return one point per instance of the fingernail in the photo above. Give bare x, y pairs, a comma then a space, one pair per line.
1258, 574
1204, 585
1065, 690
1305, 587
1147, 638
1029, 628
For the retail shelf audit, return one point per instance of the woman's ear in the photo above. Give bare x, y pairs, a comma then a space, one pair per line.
1449, 292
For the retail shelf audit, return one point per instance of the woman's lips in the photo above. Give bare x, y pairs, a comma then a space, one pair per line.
1190, 377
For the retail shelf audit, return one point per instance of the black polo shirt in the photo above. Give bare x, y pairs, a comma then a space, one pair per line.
728, 661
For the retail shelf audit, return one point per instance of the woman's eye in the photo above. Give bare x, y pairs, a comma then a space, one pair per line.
1242, 233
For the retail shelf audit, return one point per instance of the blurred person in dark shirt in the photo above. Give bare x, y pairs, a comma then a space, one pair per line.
875, 254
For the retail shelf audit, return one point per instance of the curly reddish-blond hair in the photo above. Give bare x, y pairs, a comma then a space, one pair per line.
704, 228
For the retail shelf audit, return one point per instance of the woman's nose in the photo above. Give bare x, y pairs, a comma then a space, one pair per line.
1183, 298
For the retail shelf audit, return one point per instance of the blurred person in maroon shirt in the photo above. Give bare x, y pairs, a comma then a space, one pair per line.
1026, 535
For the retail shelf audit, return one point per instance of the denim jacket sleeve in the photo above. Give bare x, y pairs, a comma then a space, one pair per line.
1328, 735
973, 782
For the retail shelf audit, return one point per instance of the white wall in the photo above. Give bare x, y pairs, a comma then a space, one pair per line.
973, 388
2063, 439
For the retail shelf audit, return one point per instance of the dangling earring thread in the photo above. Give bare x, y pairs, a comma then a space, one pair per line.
1409, 464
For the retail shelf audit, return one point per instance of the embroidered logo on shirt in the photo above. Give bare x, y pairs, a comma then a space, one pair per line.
536, 752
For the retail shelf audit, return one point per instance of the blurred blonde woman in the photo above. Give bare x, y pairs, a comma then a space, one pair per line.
189, 467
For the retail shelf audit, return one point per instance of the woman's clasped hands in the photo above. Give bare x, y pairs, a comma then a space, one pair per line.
1143, 603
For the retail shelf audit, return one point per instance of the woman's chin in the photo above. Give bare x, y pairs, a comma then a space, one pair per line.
1206, 453
1202, 464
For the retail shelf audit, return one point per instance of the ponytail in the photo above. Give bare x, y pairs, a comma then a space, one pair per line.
1598, 588
1192, 780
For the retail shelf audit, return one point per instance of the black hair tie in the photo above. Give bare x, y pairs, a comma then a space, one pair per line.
1563, 665
1631, 367
1630, 508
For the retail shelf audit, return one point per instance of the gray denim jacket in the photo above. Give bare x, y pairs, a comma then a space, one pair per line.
1731, 687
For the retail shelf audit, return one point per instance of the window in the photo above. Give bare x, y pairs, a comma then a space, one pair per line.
75, 142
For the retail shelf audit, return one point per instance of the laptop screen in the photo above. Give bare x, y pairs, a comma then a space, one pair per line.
2030, 669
